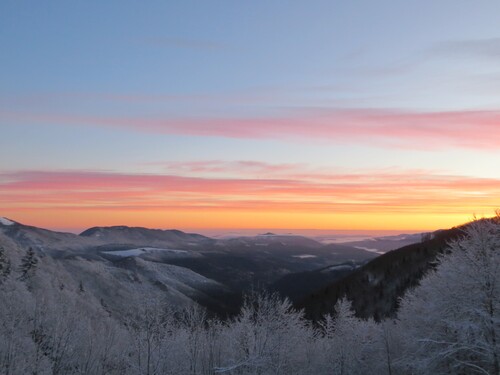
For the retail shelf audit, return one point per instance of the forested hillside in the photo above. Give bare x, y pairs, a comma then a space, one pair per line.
375, 288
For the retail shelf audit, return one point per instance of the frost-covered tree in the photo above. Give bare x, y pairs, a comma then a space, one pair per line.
268, 337
391, 344
348, 342
201, 340
17, 349
150, 328
102, 353
452, 319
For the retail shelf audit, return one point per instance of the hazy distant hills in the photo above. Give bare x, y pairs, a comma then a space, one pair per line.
144, 236
112, 263
387, 243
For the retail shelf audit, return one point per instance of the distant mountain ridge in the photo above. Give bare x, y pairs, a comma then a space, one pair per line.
182, 267
145, 236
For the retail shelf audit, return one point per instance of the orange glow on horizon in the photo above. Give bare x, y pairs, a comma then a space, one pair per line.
371, 221
376, 200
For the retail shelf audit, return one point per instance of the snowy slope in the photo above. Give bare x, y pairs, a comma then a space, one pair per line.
6, 222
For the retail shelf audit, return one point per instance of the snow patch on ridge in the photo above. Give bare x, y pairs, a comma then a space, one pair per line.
5, 221
377, 251
142, 250
304, 256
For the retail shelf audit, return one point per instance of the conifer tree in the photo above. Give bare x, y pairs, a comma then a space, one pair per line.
5, 266
28, 265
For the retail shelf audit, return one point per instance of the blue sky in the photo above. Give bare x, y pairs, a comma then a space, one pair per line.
313, 51
129, 86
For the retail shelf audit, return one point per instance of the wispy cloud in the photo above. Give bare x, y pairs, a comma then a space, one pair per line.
475, 48
387, 128
240, 167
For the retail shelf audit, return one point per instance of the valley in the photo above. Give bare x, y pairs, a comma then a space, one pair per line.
182, 268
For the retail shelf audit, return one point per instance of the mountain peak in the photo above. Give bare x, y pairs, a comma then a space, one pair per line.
5, 221
96, 231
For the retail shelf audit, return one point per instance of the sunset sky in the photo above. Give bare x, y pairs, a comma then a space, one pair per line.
219, 115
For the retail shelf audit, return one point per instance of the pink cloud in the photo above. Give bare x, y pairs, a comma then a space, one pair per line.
420, 130
240, 167
401, 191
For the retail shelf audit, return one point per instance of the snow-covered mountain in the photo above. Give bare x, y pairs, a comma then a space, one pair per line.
114, 263
140, 236
75, 262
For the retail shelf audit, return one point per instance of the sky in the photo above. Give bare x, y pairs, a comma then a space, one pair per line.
219, 115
